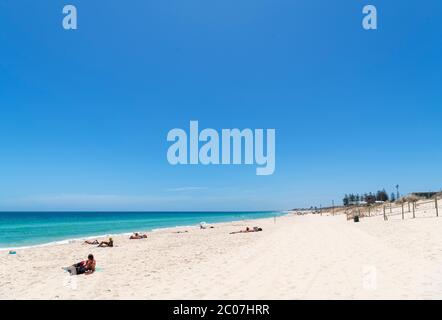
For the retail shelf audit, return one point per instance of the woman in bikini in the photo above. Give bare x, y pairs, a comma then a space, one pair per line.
109, 243
136, 236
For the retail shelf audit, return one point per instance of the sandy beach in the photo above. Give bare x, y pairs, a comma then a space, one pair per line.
294, 257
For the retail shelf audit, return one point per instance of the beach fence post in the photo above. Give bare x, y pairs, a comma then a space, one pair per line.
437, 208
385, 216
369, 211
414, 209
402, 211
409, 206
391, 210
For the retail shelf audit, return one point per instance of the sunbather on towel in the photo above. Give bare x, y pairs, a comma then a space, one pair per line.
109, 243
91, 242
136, 235
247, 230
83, 267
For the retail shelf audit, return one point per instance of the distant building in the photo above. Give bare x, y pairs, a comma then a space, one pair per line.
357, 203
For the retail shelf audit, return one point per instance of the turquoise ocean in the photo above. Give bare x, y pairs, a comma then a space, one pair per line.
23, 229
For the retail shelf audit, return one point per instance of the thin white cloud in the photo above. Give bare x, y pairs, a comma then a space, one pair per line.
183, 201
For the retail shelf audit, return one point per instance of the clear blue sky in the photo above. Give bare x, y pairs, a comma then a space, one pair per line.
84, 114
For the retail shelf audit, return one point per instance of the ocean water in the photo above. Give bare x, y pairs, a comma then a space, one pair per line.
22, 229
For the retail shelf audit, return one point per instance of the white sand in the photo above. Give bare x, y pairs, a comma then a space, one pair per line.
299, 257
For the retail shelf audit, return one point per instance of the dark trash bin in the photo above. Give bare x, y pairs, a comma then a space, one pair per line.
356, 219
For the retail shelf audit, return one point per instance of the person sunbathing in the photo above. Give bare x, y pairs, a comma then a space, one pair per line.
247, 230
91, 242
136, 235
109, 243
83, 267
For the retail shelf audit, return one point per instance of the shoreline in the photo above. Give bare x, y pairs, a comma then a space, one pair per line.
305, 256
281, 213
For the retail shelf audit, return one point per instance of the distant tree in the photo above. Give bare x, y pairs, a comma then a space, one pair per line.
345, 200
385, 195
378, 196
370, 199
392, 197
352, 197
381, 195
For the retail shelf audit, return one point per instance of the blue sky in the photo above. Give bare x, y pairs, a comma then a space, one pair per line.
84, 114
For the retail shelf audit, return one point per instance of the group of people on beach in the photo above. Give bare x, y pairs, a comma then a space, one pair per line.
110, 242
88, 266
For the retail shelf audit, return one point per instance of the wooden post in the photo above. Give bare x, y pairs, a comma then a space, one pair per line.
385, 217
369, 211
437, 209
402, 211
414, 210
408, 206
390, 208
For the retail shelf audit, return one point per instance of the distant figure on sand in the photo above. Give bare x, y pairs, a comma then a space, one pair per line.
91, 242
109, 243
203, 225
83, 267
136, 235
247, 230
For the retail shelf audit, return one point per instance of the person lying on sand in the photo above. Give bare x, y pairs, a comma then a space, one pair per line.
203, 225
83, 267
247, 230
109, 243
136, 235
91, 242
